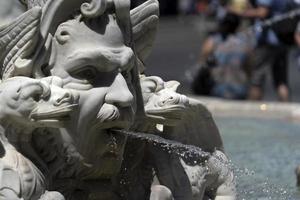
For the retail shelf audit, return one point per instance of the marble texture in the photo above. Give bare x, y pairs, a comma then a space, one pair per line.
71, 71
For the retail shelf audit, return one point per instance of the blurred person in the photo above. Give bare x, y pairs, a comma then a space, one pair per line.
202, 6
183, 6
239, 5
297, 35
270, 51
297, 41
217, 8
187, 7
223, 63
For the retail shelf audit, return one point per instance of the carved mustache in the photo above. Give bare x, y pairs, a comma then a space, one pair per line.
108, 113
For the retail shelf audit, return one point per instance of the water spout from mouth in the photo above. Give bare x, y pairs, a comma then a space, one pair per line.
188, 152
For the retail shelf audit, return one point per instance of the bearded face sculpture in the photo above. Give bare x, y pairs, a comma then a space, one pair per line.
70, 77
84, 49
98, 65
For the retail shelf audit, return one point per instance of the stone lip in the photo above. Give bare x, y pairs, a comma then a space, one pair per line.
257, 109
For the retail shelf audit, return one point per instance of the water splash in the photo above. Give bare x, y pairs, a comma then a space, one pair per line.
249, 186
172, 147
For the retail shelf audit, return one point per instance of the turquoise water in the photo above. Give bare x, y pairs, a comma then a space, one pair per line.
264, 154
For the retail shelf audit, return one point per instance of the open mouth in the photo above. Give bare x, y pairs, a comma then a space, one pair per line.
110, 116
54, 114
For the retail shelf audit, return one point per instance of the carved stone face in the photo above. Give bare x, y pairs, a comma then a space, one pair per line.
35, 103
162, 103
92, 60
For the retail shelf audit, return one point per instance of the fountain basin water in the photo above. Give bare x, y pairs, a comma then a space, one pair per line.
264, 153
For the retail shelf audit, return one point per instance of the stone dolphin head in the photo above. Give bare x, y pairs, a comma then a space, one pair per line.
36, 103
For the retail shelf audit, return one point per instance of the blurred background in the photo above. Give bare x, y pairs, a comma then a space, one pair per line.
184, 49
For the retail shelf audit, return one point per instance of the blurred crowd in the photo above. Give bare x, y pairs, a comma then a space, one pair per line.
235, 60
252, 41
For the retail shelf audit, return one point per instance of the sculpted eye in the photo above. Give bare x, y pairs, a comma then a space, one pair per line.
37, 97
33, 91
38, 93
64, 33
88, 73
151, 86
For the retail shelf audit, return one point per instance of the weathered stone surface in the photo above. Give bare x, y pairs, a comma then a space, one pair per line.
9, 10
70, 73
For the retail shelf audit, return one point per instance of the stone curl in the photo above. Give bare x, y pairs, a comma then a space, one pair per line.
95, 8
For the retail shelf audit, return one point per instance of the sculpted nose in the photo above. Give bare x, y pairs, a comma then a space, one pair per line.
119, 93
62, 96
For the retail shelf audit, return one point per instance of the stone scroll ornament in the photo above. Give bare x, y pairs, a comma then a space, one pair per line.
71, 72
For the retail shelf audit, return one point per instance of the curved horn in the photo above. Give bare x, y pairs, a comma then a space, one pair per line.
95, 8
56, 12
123, 15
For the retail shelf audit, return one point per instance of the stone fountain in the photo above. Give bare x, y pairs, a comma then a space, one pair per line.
80, 120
